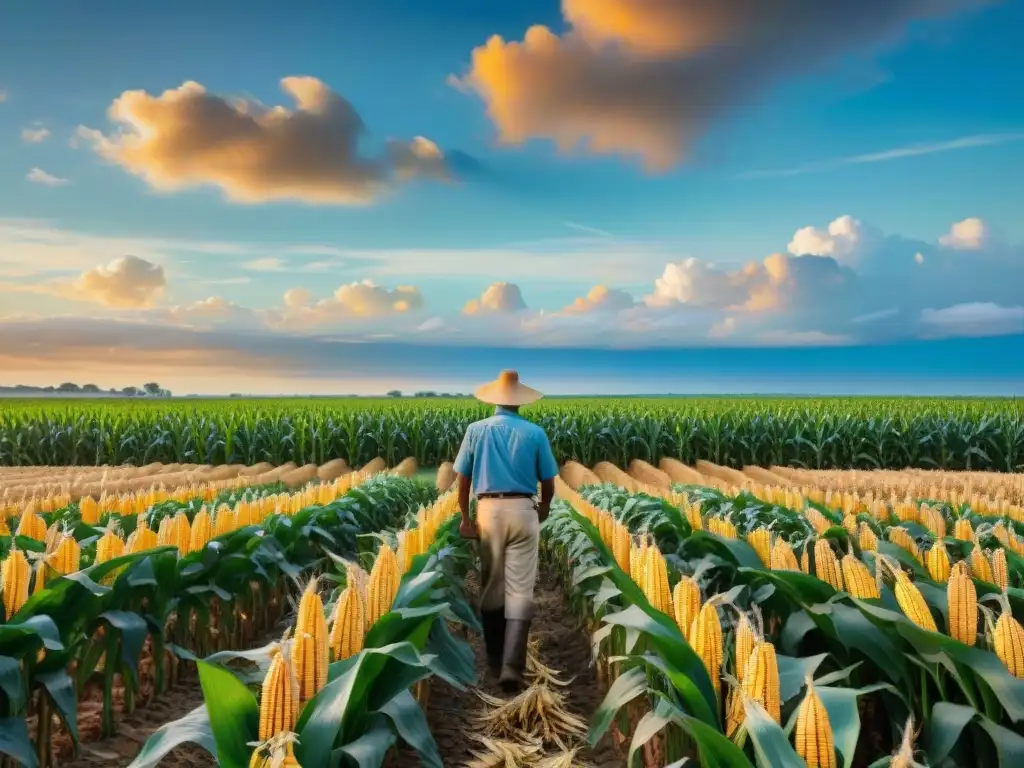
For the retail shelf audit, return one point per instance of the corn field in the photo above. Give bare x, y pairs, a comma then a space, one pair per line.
847, 433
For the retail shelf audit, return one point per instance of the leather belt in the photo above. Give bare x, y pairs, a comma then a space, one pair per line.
504, 495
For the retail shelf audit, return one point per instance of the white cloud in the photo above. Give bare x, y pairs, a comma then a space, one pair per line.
213, 311
601, 298
840, 240
39, 176
973, 319
968, 235
35, 134
498, 297
128, 282
724, 329
352, 302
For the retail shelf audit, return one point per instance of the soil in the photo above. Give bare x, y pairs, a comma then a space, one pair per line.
564, 647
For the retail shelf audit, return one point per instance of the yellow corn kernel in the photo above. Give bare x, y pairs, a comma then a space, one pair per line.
826, 565
745, 639
705, 637
279, 698
31, 525
348, 630
15, 573
109, 546
383, 587
655, 584
815, 742
761, 682
858, 579
936, 560
981, 568
89, 510
310, 655
962, 598
66, 556
1000, 570
1008, 640
963, 530
621, 546
782, 557
866, 538
902, 539
200, 531
818, 520
761, 541
911, 601
686, 603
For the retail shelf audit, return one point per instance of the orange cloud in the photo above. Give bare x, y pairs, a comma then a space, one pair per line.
498, 298
125, 283
188, 137
645, 78
601, 298
353, 301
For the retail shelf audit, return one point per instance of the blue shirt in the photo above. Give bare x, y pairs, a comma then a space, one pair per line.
505, 454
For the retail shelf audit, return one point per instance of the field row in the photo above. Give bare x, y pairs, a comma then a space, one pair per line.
810, 433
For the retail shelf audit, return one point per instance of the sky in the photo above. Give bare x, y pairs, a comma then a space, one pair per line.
611, 195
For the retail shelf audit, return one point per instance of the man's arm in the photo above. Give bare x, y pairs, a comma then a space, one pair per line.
548, 471
464, 488
463, 466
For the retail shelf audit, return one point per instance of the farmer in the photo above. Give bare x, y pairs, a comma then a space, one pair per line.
502, 459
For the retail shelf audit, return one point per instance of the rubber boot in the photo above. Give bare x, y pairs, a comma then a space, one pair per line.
494, 638
513, 665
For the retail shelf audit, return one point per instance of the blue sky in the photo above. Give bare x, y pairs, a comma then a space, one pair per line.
849, 178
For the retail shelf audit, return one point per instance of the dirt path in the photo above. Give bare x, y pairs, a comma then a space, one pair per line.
563, 646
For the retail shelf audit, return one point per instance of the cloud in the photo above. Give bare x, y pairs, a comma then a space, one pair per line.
499, 298
35, 134
188, 137
601, 298
646, 78
361, 301
967, 235
126, 283
213, 311
840, 241
39, 176
267, 264
896, 153
973, 319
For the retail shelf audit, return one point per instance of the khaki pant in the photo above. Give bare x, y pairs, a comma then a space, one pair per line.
509, 537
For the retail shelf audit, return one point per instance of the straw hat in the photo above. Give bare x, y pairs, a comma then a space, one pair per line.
506, 390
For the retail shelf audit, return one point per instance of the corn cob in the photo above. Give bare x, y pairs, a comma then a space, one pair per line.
89, 510
621, 546
141, 539
347, 631
15, 573
911, 601
655, 584
309, 649
981, 568
937, 562
761, 682
761, 541
65, 557
706, 639
818, 520
637, 555
782, 558
962, 598
685, 603
53, 534
866, 538
963, 530
199, 534
826, 564
279, 697
858, 579
814, 739
902, 539
384, 583
31, 525
745, 639
109, 546
850, 524
1008, 639
1000, 570
805, 557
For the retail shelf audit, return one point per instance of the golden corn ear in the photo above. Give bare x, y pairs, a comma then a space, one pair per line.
782, 558
745, 640
89, 510
1000, 570
309, 649
347, 631
818, 520
960, 566
384, 583
279, 698
901, 538
109, 546
685, 603
66, 556
912, 602
622, 546
655, 584
814, 739
962, 530
826, 564
981, 568
850, 524
866, 538
15, 573
805, 557
761, 541
962, 598
1008, 640
706, 640
637, 555
761, 682
200, 530
31, 525
937, 562
858, 579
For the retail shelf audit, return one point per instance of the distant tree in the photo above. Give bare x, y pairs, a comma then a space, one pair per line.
112, 391
49, 389
152, 388
395, 393
165, 393
90, 388
131, 391
68, 387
